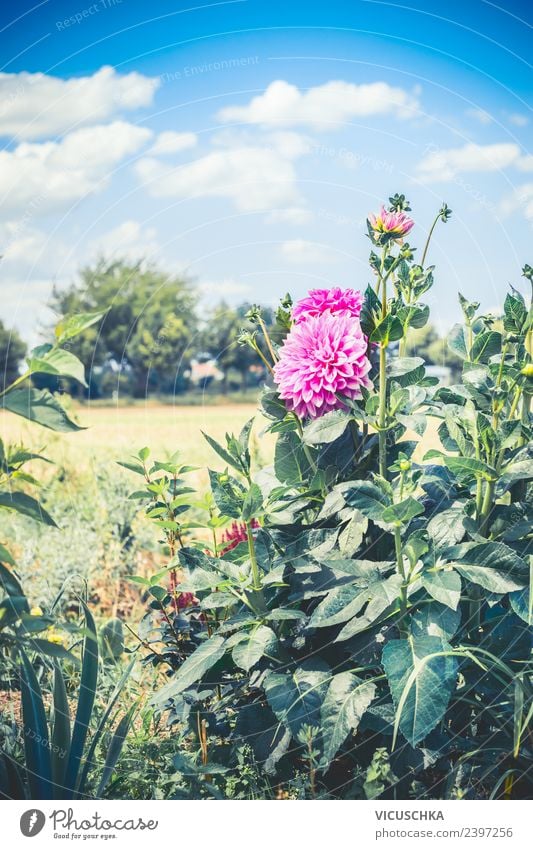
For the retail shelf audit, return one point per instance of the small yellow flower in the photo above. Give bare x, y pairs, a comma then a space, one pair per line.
528, 370
405, 465
36, 611
54, 636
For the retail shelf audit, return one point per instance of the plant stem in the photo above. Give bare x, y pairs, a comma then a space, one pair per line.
428, 240
307, 452
382, 413
267, 340
256, 576
404, 577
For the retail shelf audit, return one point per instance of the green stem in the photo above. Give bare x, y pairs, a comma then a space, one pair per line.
428, 240
257, 599
267, 340
307, 452
404, 577
382, 411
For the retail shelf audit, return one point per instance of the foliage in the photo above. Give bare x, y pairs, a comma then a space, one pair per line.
369, 632
30, 644
12, 351
148, 327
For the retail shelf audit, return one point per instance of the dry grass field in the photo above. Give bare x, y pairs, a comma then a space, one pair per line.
114, 433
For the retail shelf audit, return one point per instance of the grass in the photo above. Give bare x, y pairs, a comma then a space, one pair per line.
114, 433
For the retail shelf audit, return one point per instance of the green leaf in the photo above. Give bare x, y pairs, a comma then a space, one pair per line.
61, 730
515, 313
256, 643
5, 557
39, 405
27, 505
9, 582
228, 494
494, 580
468, 467
434, 619
296, 697
446, 527
253, 503
326, 428
225, 455
522, 604
72, 325
443, 585
398, 366
368, 498
381, 595
48, 360
485, 346
36, 740
388, 329
421, 673
345, 703
486, 554
86, 698
351, 537
457, 341
289, 459
115, 747
196, 665
340, 604
403, 512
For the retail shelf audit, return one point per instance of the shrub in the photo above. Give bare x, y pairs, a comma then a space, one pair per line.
369, 631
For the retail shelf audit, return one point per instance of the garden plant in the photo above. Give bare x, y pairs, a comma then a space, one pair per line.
56, 758
355, 620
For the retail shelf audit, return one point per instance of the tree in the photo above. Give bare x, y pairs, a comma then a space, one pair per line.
221, 334
12, 351
149, 326
425, 342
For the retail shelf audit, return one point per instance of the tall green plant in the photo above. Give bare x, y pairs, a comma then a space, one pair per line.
377, 622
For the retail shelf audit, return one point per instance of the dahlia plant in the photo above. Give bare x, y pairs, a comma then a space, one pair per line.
370, 627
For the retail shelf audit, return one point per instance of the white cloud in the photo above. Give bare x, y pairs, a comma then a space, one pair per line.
518, 120
24, 248
171, 142
525, 163
36, 106
520, 198
302, 252
226, 287
129, 240
38, 178
480, 115
292, 215
322, 107
254, 178
444, 165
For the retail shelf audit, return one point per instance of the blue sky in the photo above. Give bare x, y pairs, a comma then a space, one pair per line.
244, 142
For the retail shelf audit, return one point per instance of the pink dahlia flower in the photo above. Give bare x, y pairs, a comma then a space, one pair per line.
393, 224
321, 358
337, 301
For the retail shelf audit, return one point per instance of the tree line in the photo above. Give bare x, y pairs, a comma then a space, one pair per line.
155, 330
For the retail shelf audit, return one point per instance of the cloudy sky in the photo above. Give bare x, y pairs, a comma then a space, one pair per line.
244, 142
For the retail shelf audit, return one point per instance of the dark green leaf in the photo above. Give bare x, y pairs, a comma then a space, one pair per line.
39, 405
346, 701
421, 673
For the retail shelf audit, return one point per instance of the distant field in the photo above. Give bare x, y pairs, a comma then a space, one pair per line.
115, 433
